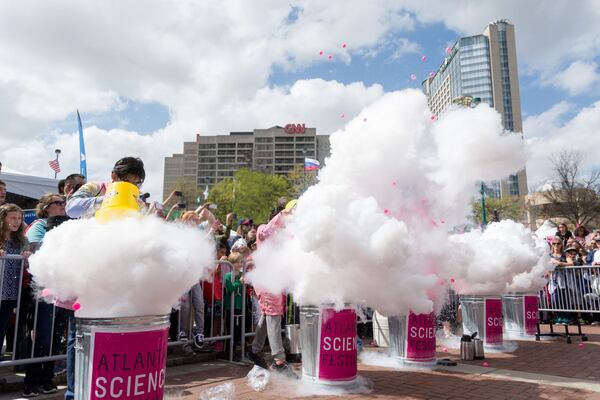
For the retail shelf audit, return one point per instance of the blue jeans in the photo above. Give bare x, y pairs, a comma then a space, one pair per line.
70, 393
42, 373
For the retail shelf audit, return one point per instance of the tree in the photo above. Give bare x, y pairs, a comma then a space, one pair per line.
189, 189
571, 196
503, 208
250, 194
299, 180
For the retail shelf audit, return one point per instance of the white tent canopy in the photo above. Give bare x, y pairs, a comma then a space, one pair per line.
29, 186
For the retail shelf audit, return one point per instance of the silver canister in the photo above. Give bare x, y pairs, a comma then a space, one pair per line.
479, 353
467, 348
120, 371
328, 348
292, 333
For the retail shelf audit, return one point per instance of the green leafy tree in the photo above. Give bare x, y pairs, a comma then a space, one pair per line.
250, 194
504, 208
299, 180
190, 191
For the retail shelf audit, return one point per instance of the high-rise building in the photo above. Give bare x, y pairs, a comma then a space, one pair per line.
275, 150
483, 68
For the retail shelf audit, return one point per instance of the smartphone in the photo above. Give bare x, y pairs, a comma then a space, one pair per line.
178, 193
212, 206
182, 205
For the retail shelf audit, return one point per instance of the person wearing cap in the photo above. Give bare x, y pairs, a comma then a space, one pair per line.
88, 198
244, 226
271, 307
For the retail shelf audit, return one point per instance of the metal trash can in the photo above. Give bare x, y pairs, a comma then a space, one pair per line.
412, 338
483, 314
520, 314
292, 334
119, 358
328, 344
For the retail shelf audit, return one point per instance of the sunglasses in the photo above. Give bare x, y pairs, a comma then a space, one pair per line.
58, 203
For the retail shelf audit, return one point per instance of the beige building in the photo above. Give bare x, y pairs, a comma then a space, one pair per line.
484, 68
274, 150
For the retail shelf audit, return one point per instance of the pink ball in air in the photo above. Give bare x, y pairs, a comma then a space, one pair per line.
76, 306
46, 292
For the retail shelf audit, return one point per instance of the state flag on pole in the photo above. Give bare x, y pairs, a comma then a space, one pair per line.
311, 164
54, 165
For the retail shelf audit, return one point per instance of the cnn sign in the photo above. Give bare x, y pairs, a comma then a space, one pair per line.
294, 129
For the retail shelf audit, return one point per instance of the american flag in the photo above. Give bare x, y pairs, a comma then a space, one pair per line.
54, 165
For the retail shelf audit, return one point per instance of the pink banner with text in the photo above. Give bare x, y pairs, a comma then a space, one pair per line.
530, 314
128, 365
420, 337
337, 350
493, 321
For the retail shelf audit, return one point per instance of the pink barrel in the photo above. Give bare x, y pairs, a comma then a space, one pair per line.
329, 350
412, 338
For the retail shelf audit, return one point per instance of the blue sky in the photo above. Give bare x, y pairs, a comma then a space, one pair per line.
145, 83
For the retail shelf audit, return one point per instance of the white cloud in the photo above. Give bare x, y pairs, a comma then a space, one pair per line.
548, 33
578, 78
548, 134
405, 46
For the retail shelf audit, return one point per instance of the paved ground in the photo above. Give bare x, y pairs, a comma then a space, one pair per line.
535, 370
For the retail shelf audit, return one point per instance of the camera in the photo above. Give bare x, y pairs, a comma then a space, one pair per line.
178, 193
144, 196
181, 205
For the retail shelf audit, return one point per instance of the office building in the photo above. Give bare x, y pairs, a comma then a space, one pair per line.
483, 68
274, 150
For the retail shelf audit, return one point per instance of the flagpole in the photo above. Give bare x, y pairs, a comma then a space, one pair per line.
57, 152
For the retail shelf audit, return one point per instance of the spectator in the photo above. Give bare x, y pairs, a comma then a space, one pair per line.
269, 325
563, 233
88, 198
49, 205
2, 192
233, 284
213, 296
12, 241
580, 233
592, 249
61, 187
244, 227
39, 375
72, 183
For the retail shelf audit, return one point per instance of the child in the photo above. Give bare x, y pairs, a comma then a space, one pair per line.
271, 307
234, 283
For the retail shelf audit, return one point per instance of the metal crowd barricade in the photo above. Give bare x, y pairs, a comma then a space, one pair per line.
27, 330
223, 268
571, 290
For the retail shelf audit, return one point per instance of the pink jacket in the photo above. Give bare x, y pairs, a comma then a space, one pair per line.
270, 304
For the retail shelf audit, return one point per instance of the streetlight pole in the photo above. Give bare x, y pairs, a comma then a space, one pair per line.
483, 213
57, 152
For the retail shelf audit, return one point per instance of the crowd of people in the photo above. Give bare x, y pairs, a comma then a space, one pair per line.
210, 306
206, 309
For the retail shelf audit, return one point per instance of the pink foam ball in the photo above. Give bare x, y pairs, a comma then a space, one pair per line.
580, 345
452, 280
445, 349
46, 292
386, 211
330, 57
343, 45
448, 49
76, 306
413, 77
486, 364
424, 58
364, 120
431, 74
321, 53
342, 115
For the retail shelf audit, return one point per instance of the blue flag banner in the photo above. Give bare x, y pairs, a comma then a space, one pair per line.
82, 160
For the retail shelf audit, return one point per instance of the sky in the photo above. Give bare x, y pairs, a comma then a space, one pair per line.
147, 76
